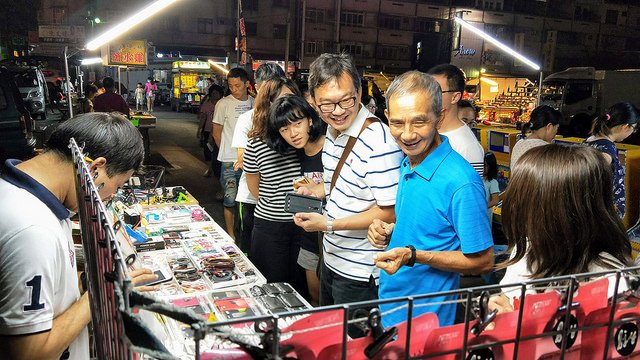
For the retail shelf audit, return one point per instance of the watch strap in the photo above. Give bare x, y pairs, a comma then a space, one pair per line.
412, 259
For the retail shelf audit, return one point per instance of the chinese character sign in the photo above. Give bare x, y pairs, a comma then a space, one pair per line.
132, 52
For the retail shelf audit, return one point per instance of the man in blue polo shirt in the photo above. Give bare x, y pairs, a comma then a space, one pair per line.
441, 227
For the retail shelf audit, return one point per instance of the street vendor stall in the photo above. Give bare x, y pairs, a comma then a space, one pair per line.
186, 74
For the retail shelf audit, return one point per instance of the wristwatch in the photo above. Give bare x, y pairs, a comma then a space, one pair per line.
412, 259
329, 226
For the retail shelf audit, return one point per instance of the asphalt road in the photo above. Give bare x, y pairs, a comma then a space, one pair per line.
173, 144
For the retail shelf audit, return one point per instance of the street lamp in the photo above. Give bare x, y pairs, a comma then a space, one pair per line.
128, 23
502, 47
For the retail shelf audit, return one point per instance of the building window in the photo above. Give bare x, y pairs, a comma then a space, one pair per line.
171, 23
426, 25
349, 18
311, 48
281, 3
389, 22
57, 15
393, 52
353, 49
315, 16
223, 21
205, 26
250, 5
611, 17
251, 28
279, 31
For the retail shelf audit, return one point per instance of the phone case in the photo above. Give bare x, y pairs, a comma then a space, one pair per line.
291, 300
295, 203
271, 289
272, 303
284, 287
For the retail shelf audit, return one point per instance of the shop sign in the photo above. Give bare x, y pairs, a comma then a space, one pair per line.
462, 51
130, 53
61, 33
201, 65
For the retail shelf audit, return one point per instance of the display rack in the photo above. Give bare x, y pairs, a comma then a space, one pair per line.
569, 317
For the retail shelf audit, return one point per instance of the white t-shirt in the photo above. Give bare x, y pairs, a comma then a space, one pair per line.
465, 143
522, 146
38, 273
518, 273
240, 140
226, 114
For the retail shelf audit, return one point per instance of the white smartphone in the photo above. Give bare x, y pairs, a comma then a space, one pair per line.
163, 275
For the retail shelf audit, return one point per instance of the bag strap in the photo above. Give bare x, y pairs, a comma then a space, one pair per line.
347, 150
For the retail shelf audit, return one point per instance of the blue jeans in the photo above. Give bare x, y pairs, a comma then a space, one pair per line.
229, 179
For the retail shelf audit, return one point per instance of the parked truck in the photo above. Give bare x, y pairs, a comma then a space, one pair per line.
582, 93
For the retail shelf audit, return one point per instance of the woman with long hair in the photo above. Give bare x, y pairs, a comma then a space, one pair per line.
275, 240
620, 121
559, 219
294, 124
543, 126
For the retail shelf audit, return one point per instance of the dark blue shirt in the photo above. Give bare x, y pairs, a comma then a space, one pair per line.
609, 147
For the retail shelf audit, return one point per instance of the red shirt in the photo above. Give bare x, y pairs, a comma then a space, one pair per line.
109, 102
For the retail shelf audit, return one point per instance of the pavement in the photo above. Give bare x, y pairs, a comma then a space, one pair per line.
173, 144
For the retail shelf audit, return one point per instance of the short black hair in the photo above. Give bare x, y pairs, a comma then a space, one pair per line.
109, 83
216, 87
286, 110
456, 79
462, 104
108, 135
238, 73
90, 89
99, 84
331, 66
268, 71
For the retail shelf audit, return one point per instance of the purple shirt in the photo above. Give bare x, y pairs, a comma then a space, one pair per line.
109, 102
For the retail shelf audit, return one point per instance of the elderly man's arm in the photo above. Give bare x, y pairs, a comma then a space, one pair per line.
452, 261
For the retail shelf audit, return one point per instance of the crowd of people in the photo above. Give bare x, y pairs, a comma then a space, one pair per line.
381, 180
407, 202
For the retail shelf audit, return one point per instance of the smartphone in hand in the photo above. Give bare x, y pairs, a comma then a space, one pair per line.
296, 203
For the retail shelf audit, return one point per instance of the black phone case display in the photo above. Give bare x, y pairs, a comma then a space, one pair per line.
210, 275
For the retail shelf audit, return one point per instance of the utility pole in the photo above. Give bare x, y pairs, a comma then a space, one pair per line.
286, 49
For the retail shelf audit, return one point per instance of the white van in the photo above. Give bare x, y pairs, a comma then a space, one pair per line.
33, 88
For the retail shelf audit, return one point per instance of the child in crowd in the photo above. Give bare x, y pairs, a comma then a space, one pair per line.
293, 123
620, 121
543, 125
490, 181
582, 233
139, 97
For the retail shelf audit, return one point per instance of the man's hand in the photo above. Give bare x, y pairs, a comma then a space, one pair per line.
379, 233
392, 260
310, 222
142, 275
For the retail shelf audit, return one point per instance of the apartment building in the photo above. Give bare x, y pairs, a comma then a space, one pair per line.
382, 35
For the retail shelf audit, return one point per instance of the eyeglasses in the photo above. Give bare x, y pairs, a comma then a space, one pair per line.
344, 104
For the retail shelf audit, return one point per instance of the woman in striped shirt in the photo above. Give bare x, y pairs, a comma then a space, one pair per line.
294, 124
275, 241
